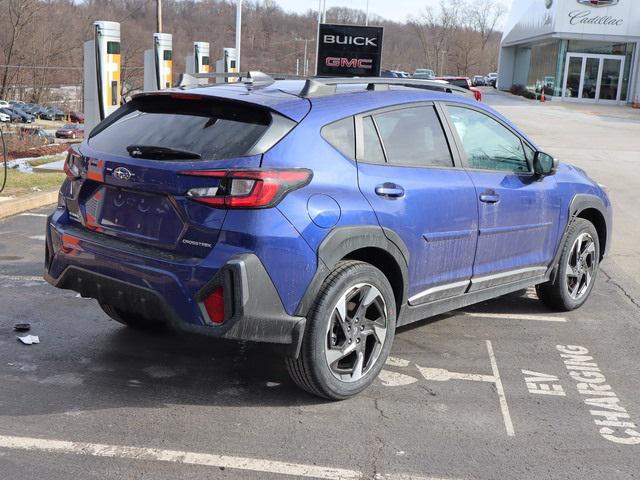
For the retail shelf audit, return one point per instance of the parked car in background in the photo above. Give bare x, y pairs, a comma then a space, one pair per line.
424, 73
13, 117
389, 74
492, 79
4, 117
4, 104
479, 81
56, 113
463, 82
25, 117
76, 117
38, 133
71, 130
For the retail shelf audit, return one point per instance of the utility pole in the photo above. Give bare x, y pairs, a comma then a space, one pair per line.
159, 16
306, 62
238, 32
366, 18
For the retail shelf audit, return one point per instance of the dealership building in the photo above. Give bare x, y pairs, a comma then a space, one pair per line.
577, 50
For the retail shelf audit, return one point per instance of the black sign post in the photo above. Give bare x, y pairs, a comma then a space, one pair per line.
349, 51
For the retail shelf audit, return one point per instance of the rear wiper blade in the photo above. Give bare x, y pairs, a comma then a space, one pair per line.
161, 153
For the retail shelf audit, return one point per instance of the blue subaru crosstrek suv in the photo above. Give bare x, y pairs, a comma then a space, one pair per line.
318, 217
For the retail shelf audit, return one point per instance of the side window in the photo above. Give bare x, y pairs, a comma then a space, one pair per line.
372, 149
488, 144
414, 137
341, 135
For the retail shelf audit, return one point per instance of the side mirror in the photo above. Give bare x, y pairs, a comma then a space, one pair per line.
544, 164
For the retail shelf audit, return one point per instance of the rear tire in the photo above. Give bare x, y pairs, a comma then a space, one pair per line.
130, 319
350, 330
576, 270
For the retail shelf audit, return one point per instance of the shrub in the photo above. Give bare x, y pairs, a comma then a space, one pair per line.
517, 89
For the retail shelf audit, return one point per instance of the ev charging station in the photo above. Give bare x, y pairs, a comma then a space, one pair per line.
198, 61
101, 73
228, 64
158, 63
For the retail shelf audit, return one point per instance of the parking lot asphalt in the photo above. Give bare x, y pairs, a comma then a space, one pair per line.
495, 391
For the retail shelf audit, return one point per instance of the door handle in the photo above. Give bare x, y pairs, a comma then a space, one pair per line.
489, 196
390, 190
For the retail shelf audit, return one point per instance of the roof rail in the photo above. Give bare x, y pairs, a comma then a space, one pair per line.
319, 87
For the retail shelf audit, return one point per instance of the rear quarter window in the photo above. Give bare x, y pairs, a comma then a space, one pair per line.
213, 128
341, 135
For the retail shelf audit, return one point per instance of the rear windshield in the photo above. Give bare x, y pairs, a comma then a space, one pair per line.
212, 128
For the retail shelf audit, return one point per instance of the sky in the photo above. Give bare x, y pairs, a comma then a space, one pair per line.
396, 10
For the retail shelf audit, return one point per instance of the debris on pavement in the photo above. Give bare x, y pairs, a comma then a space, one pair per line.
22, 327
29, 339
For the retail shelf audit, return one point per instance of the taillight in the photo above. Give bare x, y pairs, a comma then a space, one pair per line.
247, 188
72, 165
214, 305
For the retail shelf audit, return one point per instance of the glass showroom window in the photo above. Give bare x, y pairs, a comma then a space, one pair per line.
543, 69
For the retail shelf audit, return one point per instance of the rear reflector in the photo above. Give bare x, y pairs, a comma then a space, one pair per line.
248, 188
72, 165
214, 305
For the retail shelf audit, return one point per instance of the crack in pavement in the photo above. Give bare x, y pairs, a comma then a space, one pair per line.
610, 280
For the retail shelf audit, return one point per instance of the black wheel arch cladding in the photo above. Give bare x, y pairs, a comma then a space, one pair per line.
348, 242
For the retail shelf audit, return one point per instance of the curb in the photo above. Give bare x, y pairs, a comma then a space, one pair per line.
29, 202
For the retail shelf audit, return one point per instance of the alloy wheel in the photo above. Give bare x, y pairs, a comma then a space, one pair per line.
356, 332
581, 266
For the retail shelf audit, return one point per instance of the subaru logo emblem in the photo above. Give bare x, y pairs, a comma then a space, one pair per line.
599, 3
122, 173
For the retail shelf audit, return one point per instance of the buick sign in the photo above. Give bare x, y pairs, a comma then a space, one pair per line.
599, 3
349, 51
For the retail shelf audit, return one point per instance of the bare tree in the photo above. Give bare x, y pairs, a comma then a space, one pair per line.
436, 31
18, 14
483, 17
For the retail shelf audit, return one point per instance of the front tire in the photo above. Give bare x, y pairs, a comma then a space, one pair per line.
576, 269
350, 330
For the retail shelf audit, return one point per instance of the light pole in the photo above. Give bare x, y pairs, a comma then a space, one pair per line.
366, 18
305, 60
238, 32
159, 16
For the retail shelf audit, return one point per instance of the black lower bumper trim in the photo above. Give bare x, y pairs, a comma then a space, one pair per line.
253, 310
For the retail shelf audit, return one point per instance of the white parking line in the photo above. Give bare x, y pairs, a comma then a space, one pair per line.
516, 316
42, 238
22, 278
500, 390
192, 458
33, 215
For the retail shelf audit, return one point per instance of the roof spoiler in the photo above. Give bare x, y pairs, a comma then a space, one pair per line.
251, 79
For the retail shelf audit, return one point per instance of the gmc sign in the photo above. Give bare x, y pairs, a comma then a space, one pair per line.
349, 51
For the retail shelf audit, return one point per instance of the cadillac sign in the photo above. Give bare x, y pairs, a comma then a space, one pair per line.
599, 3
590, 17
349, 51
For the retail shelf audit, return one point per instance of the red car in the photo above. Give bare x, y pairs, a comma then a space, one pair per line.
71, 130
463, 82
76, 117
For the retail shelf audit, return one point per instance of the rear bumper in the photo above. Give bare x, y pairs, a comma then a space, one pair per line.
170, 289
